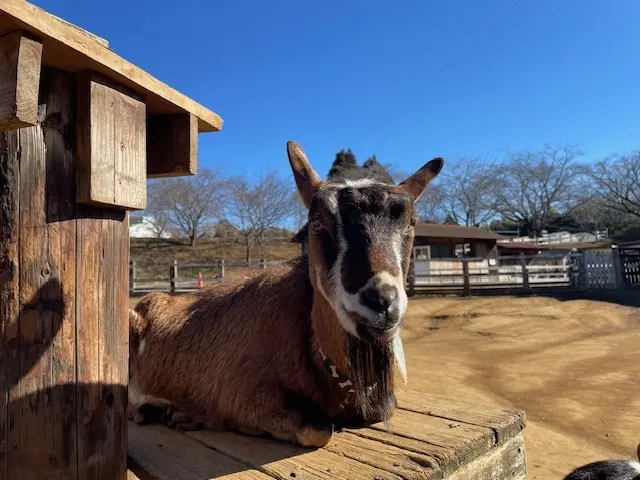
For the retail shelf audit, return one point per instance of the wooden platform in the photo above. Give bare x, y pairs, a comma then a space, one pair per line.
430, 437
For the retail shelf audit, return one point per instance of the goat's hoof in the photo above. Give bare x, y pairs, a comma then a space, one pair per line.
253, 432
314, 437
187, 426
181, 420
135, 415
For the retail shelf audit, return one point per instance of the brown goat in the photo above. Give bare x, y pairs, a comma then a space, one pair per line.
302, 347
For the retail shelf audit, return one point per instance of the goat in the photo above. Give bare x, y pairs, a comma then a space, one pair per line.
608, 470
303, 348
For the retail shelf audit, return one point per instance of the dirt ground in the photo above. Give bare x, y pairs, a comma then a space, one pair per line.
572, 366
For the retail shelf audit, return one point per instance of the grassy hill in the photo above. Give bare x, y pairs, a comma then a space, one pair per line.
154, 256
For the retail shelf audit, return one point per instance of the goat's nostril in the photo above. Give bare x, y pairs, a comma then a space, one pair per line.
379, 299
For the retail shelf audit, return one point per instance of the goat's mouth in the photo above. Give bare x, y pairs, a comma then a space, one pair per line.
378, 330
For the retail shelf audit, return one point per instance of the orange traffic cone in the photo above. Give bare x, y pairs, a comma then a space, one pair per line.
200, 282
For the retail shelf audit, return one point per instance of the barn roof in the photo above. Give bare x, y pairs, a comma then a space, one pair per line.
437, 230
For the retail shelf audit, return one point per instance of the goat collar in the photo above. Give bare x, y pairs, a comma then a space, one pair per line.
343, 382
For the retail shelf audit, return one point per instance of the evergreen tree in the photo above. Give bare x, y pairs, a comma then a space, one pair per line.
344, 162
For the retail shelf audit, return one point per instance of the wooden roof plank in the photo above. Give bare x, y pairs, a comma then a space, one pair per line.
158, 452
69, 48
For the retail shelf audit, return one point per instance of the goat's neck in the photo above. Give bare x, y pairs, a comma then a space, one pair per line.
329, 334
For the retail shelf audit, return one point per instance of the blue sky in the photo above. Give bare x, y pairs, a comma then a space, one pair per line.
406, 80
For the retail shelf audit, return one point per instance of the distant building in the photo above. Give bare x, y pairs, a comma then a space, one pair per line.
142, 227
434, 240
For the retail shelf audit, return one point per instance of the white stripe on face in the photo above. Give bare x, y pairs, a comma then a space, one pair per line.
345, 302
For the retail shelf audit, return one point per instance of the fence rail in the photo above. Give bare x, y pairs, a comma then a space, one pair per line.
615, 269
175, 278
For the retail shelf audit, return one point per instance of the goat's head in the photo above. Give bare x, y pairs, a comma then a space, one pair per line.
360, 240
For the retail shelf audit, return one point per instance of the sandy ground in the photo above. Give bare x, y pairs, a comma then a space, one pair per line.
573, 366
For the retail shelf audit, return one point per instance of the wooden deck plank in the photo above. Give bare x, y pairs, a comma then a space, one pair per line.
407, 464
506, 423
157, 452
69, 48
429, 438
284, 460
506, 461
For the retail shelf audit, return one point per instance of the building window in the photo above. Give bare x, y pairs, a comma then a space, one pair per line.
440, 250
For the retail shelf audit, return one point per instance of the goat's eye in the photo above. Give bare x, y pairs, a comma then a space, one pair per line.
316, 223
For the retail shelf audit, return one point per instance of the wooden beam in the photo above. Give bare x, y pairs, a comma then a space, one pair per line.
102, 41
172, 145
67, 48
111, 144
20, 63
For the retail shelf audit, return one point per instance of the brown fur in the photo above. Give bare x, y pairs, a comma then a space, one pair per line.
241, 354
245, 354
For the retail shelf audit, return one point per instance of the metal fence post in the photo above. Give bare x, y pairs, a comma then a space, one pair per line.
220, 269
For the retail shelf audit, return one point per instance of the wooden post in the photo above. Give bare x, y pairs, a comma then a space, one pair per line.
132, 277
72, 162
411, 278
220, 269
63, 306
173, 275
618, 268
525, 273
467, 280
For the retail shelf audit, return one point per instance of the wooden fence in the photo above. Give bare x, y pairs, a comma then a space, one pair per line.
615, 269
587, 270
178, 278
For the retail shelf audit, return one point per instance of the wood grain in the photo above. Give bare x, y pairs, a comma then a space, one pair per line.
63, 296
172, 145
160, 453
40, 435
20, 63
446, 442
102, 334
407, 464
284, 460
9, 283
508, 461
111, 145
69, 49
506, 423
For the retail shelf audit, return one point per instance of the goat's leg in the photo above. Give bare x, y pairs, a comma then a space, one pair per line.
288, 417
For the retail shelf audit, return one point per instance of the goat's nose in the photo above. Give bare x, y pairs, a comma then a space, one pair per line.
379, 298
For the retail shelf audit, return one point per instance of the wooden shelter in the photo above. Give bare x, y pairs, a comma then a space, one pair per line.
81, 130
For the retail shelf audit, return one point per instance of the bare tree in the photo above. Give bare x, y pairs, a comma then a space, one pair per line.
615, 181
256, 206
429, 206
469, 191
536, 185
188, 204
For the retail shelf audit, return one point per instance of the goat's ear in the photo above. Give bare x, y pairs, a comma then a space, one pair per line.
417, 183
307, 179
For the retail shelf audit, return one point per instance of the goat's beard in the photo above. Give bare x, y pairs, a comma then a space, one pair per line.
372, 375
